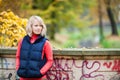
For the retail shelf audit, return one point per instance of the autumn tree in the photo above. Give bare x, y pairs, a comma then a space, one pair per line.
109, 9
62, 13
12, 5
12, 28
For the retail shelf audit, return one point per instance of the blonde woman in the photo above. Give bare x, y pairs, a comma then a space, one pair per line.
34, 55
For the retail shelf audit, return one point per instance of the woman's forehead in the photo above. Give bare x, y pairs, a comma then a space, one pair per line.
37, 21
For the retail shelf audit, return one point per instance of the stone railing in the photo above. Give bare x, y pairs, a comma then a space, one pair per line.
71, 64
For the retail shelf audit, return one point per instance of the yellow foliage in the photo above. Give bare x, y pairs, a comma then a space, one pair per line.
12, 28
0, 1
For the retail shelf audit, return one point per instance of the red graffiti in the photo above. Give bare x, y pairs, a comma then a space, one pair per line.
62, 69
115, 65
89, 74
108, 65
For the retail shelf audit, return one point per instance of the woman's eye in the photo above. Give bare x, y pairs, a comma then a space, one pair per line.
36, 25
41, 25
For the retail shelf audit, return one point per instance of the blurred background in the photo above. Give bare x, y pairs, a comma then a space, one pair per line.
70, 23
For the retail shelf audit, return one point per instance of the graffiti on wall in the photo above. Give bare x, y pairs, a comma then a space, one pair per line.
6, 64
114, 66
74, 69
71, 69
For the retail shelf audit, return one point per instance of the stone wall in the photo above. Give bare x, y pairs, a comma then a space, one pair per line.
71, 64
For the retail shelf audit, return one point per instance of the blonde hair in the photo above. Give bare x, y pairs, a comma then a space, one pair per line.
30, 23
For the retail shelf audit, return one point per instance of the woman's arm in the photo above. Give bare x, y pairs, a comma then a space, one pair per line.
47, 51
18, 54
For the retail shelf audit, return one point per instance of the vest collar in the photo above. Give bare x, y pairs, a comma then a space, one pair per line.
35, 36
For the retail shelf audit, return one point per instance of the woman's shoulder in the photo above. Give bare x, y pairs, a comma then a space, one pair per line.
47, 43
20, 40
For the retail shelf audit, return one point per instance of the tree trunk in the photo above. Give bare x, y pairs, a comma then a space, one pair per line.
100, 21
112, 21
52, 31
52, 27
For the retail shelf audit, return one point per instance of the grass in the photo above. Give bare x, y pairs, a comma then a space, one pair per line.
71, 39
111, 42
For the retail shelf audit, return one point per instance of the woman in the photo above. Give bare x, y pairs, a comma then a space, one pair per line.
34, 55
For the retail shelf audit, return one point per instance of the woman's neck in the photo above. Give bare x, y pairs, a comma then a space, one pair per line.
33, 38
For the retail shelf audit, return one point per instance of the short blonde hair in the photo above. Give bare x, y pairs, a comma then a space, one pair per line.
30, 23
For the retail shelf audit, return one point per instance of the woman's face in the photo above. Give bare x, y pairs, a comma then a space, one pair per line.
36, 27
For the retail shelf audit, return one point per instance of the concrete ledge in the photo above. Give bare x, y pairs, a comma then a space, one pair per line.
71, 52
